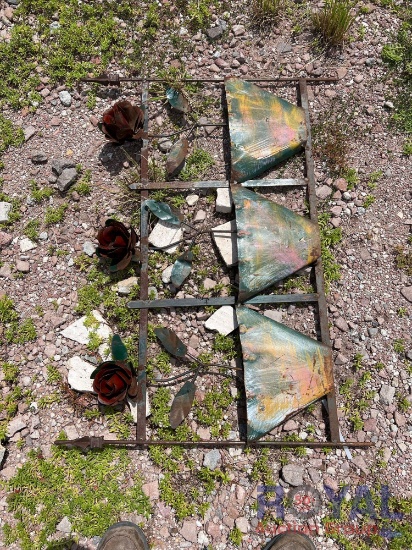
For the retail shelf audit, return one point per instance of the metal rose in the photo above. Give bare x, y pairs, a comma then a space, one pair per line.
122, 121
113, 381
117, 244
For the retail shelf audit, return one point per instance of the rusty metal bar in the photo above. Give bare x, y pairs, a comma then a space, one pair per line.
320, 282
87, 443
116, 80
216, 184
228, 301
144, 278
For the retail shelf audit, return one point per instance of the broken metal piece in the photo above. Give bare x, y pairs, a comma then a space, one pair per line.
171, 342
83, 443
164, 212
182, 403
105, 79
284, 371
176, 157
264, 129
181, 269
119, 350
177, 100
273, 242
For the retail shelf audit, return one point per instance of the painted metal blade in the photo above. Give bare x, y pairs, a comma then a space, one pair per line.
181, 268
284, 371
273, 242
176, 157
182, 404
171, 342
119, 350
164, 212
177, 100
264, 129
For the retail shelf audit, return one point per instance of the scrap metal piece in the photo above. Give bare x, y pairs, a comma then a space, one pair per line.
177, 100
264, 129
181, 268
119, 350
273, 242
284, 371
182, 403
176, 158
171, 342
164, 212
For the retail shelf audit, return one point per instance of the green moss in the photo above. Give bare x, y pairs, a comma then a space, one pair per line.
8, 311
197, 164
88, 489
39, 194
55, 214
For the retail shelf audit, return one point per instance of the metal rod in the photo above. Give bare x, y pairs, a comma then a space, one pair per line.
115, 79
86, 443
227, 301
216, 184
144, 279
320, 283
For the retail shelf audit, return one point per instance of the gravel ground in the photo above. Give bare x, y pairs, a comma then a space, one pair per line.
369, 307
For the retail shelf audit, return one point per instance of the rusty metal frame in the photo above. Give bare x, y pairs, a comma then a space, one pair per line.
144, 304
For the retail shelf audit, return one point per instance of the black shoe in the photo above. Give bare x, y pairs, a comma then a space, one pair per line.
124, 535
290, 540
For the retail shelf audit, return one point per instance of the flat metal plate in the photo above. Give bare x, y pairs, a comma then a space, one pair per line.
273, 242
284, 371
264, 129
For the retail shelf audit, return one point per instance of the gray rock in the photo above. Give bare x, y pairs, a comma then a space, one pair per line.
290, 426
361, 464
323, 192
212, 459
5, 271
38, 157
23, 267
223, 321
165, 145
293, 474
65, 98
66, 179
5, 239
209, 284
54, 25
189, 531
199, 217
16, 425
242, 524
389, 105
5, 209
166, 274
58, 165
224, 201
125, 287
238, 30
406, 292
29, 132
43, 236
89, 248
341, 359
214, 32
274, 314
26, 245
387, 394
372, 331
64, 526
314, 475
341, 324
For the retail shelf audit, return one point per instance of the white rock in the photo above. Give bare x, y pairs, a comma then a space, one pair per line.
26, 245
64, 526
192, 199
79, 333
133, 408
166, 274
165, 234
5, 208
2, 453
124, 287
224, 237
65, 98
224, 201
79, 372
223, 320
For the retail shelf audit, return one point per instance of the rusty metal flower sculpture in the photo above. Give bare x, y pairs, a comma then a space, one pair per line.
115, 380
122, 121
117, 244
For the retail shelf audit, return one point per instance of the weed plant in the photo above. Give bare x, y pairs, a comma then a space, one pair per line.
333, 21
265, 11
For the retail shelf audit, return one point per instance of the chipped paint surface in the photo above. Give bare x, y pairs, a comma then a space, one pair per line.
264, 129
284, 371
273, 242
